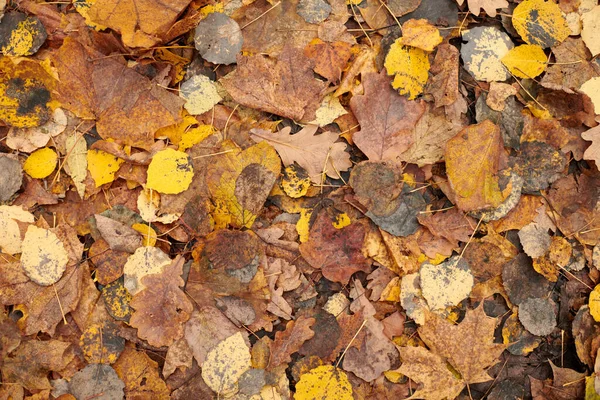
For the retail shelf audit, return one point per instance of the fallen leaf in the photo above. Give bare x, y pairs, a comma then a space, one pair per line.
11, 176
145, 261
482, 53
200, 94
499, 92
139, 22
97, 381
317, 154
489, 6
161, 308
76, 163
289, 341
443, 82
269, 85
140, 375
410, 67
386, 119
329, 110
313, 11
44, 258
324, 382
101, 344
102, 166
421, 34
329, 58
540, 22
30, 139
525, 61
469, 346
594, 303
535, 240
521, 281
472, 159
225, 364
446, 284
592, 89
593, 151
589, 32
119, 236
218, 38
41, 163
11, 239
170, 172
538, 316
21, 35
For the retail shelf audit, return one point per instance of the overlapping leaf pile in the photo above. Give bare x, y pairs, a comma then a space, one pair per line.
309, 199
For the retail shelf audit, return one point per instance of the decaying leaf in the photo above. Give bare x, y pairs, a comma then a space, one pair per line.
11, 238
218, 38
289, 341
592, 89
538, 316
591, 26
421, 34
44, 258
21, 35
11, 176
317, 154
324, 382
98, 381
482, 53
145, 261
540, 22
225, 364
446, 284
200, 94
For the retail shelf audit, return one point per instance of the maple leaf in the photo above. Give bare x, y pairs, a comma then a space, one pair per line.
289, 341
429, 369
317, 154
162, 308
468, 346
386, 119
285, 86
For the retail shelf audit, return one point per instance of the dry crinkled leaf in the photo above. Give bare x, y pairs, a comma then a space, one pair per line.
310, 151
240, 181
140, 22
30, 139
21, 35
76, 164
430, 370
483, 51
145, 261
170, 172
499, 92
421, 34
525, 61
149, 205
540, 22
325, 382
140, 375
289, 341
10, 234
329, 58
535, 240
443, 84
44, 258
538, 316
593, 151
200, 94
102, 166
469, 346
218, 39
446, 284
97, 381
225, 364
270, 85
592, 89
41, 163
386, 119
591, 30
472, 159
489, 6
119, 236
313, 11
161, 308
11, 176
410, 67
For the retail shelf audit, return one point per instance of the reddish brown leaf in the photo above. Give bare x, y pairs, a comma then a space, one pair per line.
289, 341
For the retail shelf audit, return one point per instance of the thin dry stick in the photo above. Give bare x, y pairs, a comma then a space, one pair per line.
60, 305
360, 25
527, 91
392, 14
227, 122
261, 15
351, 340
324, 173
470, 239
213, 154
432, 211
576, 278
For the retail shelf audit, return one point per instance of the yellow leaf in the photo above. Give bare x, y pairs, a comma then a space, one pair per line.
44, 257
83, 8
341, 220
27, 34
540, 22
102, 166
595, 303
240, 181
410, 66
147, 232
10, 238
170, 172
328, 111
194, 136
175, 132
421, 34
200, 94
225, 364
525, 61
325, 382
303, 224
295, 182
41, 163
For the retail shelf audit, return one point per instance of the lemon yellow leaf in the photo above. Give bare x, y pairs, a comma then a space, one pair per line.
200, 94
341, 220
77, 160
44, 257
421, 34
410, 66
240, 181
525, 61
540, 22
592, 89
145, 261
175, 132
102, 166
147, 232
41, 163
170, 172
225, 364
303, 224
194, 136
295, 182
83, 8
10, 236
595, 303
325, 382
209, 9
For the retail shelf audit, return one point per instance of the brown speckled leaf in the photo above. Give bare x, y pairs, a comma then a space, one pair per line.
289, 341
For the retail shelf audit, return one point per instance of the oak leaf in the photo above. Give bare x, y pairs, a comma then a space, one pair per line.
593, 151
289, 341
386, 119
469, 346
317, 154
285, 86
489, 6
162, 308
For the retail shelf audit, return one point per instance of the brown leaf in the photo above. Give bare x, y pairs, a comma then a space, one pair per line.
468, 346
452, 225
140, 375
443, 84
337, 252
310, 151
386, 119
289, 341
285, 86
330, 58
162, 308
592, 152
119, 236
